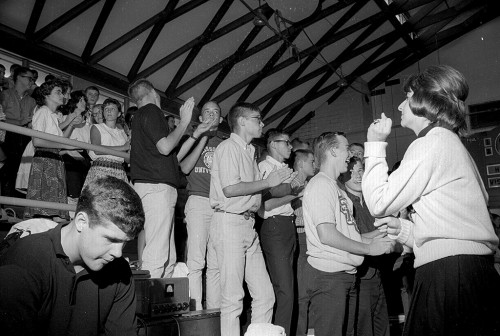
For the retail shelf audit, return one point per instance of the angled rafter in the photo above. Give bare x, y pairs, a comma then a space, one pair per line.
151, 39
96, 31
34, 17
363, 68
299, 123
305, 64
198, 40
195, 50
225, 70
99, 55
442, 38
277, 55
261, 46
63, 19
404, 30
333, 67
444, 15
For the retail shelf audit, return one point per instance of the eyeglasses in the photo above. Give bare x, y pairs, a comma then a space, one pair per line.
287, 142
259, 118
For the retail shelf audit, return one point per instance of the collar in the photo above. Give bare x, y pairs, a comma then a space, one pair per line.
239, 140
426, 130
274, 161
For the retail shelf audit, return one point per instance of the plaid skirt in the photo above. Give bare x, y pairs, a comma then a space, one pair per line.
102, 167
47, 182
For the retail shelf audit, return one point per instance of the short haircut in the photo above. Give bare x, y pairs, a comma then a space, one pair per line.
240, 109
439, 94
2, 67
112, 101
356, 144
323, 143
301, 155
92, 87
19, 71
45, 89
140, 88
344, 177
273, 134
114, 200
34, 72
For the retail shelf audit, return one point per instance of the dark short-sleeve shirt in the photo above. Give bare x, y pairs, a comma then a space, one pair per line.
40, 293
147, 164
199, 178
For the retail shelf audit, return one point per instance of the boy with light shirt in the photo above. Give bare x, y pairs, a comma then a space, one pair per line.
235, 194
334, 245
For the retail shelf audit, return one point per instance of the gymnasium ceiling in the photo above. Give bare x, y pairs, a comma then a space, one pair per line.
287, 56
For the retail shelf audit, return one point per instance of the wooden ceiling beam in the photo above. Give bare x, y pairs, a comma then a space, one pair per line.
113, 46
316, 51
170, 91
299, 123
482, 16
283, 48
237, 55
62, 20
263, 45
345, 54
151, 39
198, 40
96, 31
34, 18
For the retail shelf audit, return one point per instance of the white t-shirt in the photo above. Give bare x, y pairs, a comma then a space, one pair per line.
325, 202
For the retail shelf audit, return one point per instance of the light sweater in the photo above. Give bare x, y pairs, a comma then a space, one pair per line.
440, 179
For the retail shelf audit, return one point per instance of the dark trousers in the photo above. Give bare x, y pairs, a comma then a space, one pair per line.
13, 148
457, 296
373, 318
331, 299
277, 239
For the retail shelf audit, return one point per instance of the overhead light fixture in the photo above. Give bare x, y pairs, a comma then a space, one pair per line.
342, 82
257, 20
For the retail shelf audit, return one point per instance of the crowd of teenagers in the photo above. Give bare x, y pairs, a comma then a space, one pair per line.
307, 231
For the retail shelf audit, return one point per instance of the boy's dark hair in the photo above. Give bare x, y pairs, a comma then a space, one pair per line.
20, 70
114, 200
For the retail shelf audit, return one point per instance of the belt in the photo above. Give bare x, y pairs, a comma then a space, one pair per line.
247, 214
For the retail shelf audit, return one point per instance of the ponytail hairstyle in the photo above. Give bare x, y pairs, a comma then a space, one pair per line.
439, 94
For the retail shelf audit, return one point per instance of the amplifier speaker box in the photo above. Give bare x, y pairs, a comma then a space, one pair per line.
157, 297
195, 323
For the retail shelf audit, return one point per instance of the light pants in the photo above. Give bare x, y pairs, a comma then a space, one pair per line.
239, 257
158, 201
198, 218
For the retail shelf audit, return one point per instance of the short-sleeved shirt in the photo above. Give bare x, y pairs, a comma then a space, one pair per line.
234, 162
18, 110
199, 178
40, 293
44, 120
324, 202
147, 164
266, 167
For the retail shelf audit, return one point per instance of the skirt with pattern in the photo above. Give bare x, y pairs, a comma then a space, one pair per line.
47, 182
102, 167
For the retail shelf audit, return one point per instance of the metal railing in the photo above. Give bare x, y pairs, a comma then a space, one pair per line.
42, 135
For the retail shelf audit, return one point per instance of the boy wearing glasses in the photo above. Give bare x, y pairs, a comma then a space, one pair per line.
235, 194
18, 107
277, 234
334, 245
